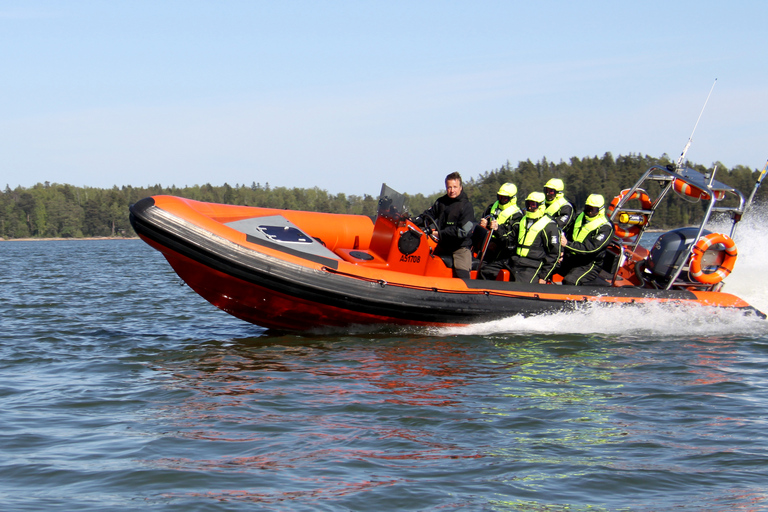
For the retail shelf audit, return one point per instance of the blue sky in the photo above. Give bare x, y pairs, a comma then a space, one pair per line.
345, 95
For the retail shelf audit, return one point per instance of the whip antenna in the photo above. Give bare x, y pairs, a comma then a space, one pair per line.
690, 139
757, 185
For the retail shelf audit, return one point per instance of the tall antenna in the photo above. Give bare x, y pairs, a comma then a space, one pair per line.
690, 139
757, 185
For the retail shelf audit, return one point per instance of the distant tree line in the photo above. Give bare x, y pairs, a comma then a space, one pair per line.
608, 176
51, 210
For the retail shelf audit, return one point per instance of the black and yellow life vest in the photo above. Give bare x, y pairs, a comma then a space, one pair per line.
526, 236
580, 232
555, 205
502, 212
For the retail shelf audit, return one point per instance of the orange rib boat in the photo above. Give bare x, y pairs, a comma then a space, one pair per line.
297, 271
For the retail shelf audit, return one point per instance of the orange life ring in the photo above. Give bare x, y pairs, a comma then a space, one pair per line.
634, 230
725, 267
684, 188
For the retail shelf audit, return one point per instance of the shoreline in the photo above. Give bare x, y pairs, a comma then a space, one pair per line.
84, 239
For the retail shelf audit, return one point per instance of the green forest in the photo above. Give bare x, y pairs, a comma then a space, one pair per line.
51, 210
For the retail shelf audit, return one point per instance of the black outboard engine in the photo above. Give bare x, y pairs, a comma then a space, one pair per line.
671, 250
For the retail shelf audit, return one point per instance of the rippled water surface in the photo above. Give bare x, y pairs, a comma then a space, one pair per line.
121, 389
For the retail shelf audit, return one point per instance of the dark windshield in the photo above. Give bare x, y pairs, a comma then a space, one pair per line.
392, 204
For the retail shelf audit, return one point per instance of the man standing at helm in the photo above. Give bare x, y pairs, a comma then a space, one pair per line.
585, 243
499, 218
558, 207
455, 219
538, 243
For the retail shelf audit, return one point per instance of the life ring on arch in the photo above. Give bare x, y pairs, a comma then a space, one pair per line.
685, 189
725, 268
633, 230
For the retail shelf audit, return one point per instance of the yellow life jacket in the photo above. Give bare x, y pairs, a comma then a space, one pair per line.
557, 203
580, 232
505, 211
526, 237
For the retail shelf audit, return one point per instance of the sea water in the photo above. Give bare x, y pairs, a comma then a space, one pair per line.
121, 389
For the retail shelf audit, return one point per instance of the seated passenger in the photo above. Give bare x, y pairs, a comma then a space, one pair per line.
585, 244
499, 218
558, 207
538, 243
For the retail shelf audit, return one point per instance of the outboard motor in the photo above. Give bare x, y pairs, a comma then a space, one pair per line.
672, 249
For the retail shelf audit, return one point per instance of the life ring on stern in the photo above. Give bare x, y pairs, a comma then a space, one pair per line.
725, 268
685, 189
633, 230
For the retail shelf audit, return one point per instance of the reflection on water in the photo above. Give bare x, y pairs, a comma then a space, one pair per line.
564, 387
264, 392
563, 417
314, 415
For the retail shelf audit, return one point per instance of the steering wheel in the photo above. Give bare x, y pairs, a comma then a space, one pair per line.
431, 228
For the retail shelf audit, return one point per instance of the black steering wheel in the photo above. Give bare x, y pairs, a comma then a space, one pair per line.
431, 228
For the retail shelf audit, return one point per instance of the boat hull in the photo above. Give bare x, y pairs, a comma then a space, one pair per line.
279, 287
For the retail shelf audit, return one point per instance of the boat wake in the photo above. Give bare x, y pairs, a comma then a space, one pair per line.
748, 281
649, 320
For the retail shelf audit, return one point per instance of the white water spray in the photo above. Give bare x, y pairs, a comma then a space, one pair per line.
748, 279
